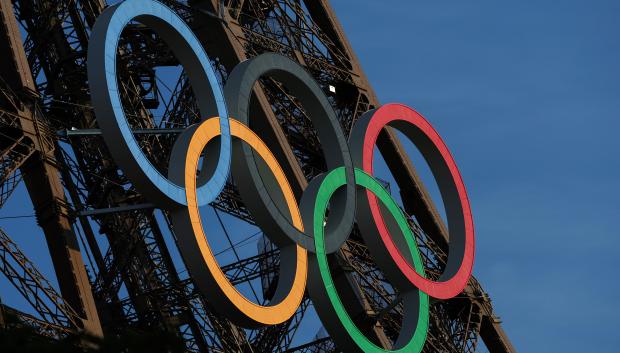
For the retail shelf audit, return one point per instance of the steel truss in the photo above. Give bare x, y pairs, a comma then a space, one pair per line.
49, 133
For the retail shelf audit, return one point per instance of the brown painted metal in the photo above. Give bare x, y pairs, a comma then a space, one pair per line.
43, 181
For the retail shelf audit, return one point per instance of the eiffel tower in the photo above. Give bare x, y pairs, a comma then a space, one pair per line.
111, 249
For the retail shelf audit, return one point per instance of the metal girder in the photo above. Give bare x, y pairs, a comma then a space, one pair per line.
250, 268
41, 327
41, 175
62, 27
34, 287
278, 338
11, 159
322, 345
137, 257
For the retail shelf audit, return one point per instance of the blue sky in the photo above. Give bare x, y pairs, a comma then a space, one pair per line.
526, 95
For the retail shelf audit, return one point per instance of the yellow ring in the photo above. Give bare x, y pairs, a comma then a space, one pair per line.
268, 315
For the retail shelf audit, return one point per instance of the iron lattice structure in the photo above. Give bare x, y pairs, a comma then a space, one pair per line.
49, 141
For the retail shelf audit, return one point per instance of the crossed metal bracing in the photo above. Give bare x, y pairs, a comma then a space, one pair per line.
134, 280
42, 328
33, 285
11, 158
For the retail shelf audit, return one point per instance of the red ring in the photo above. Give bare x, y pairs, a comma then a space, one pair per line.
438, 289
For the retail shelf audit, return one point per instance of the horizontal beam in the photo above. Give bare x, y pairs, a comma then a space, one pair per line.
100, 211
88, 132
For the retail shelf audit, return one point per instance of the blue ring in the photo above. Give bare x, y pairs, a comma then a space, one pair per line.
108, 108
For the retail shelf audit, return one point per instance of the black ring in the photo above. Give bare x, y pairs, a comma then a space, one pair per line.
256, 185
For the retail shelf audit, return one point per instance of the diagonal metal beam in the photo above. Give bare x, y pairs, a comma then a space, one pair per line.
11, 159
41, 174
35, 288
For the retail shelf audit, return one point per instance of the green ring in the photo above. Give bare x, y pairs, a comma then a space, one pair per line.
335, 179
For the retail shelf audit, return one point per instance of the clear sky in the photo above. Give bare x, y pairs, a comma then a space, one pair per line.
526, 94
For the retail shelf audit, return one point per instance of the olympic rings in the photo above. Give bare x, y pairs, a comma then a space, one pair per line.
427, 140
197, 252
347, 190
257, 189
321, 286
109, 110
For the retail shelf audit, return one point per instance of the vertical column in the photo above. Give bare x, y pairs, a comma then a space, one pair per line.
42, 177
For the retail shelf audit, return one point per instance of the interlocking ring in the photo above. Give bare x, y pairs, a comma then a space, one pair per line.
111, 118
197, 252
461, 226
259, 191
321, 285
347, 191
